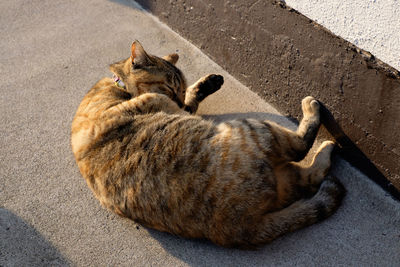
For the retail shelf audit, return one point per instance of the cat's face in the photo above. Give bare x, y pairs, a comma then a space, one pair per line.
143, 73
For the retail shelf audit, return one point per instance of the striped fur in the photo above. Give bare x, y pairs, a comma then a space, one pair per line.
237, 183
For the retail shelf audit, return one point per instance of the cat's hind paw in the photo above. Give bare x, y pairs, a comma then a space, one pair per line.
310, 106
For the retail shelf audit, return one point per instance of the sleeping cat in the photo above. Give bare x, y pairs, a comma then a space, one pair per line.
146, 157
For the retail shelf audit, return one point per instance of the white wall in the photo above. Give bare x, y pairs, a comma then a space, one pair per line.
373, 25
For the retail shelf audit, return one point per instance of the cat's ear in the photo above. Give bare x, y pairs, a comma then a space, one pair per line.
138, 56
172, 58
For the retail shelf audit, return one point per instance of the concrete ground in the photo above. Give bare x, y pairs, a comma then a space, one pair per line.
51, 53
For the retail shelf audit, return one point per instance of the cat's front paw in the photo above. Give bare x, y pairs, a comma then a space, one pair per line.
310, 106
208, 85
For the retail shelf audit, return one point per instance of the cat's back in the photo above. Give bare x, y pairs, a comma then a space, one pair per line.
91, 118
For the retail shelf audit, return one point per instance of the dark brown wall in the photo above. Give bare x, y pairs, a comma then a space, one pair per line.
284, 56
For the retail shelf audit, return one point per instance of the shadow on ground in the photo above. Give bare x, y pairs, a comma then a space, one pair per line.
22, 245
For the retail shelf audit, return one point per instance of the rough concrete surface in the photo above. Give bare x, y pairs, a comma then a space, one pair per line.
371, 25
51, 53
284, 56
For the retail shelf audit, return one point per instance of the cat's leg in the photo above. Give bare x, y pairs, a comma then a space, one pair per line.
295, 181
200, 90
148, 103
263, 227
313, 174
294, 146
300, 214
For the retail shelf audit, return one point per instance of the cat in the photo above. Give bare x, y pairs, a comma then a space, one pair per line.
237, 183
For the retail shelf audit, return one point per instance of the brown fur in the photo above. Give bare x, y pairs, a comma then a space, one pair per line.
236, 183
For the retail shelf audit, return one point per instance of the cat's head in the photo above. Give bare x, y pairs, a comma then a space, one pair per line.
143, 73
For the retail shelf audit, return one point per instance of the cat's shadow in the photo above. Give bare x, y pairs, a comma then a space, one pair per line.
22, 245
202, 252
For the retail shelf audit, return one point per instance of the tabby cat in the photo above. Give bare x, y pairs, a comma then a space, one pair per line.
237, 183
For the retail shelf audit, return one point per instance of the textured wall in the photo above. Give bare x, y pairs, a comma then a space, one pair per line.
373, 25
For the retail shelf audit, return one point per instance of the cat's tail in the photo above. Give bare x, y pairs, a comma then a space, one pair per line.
301, 213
